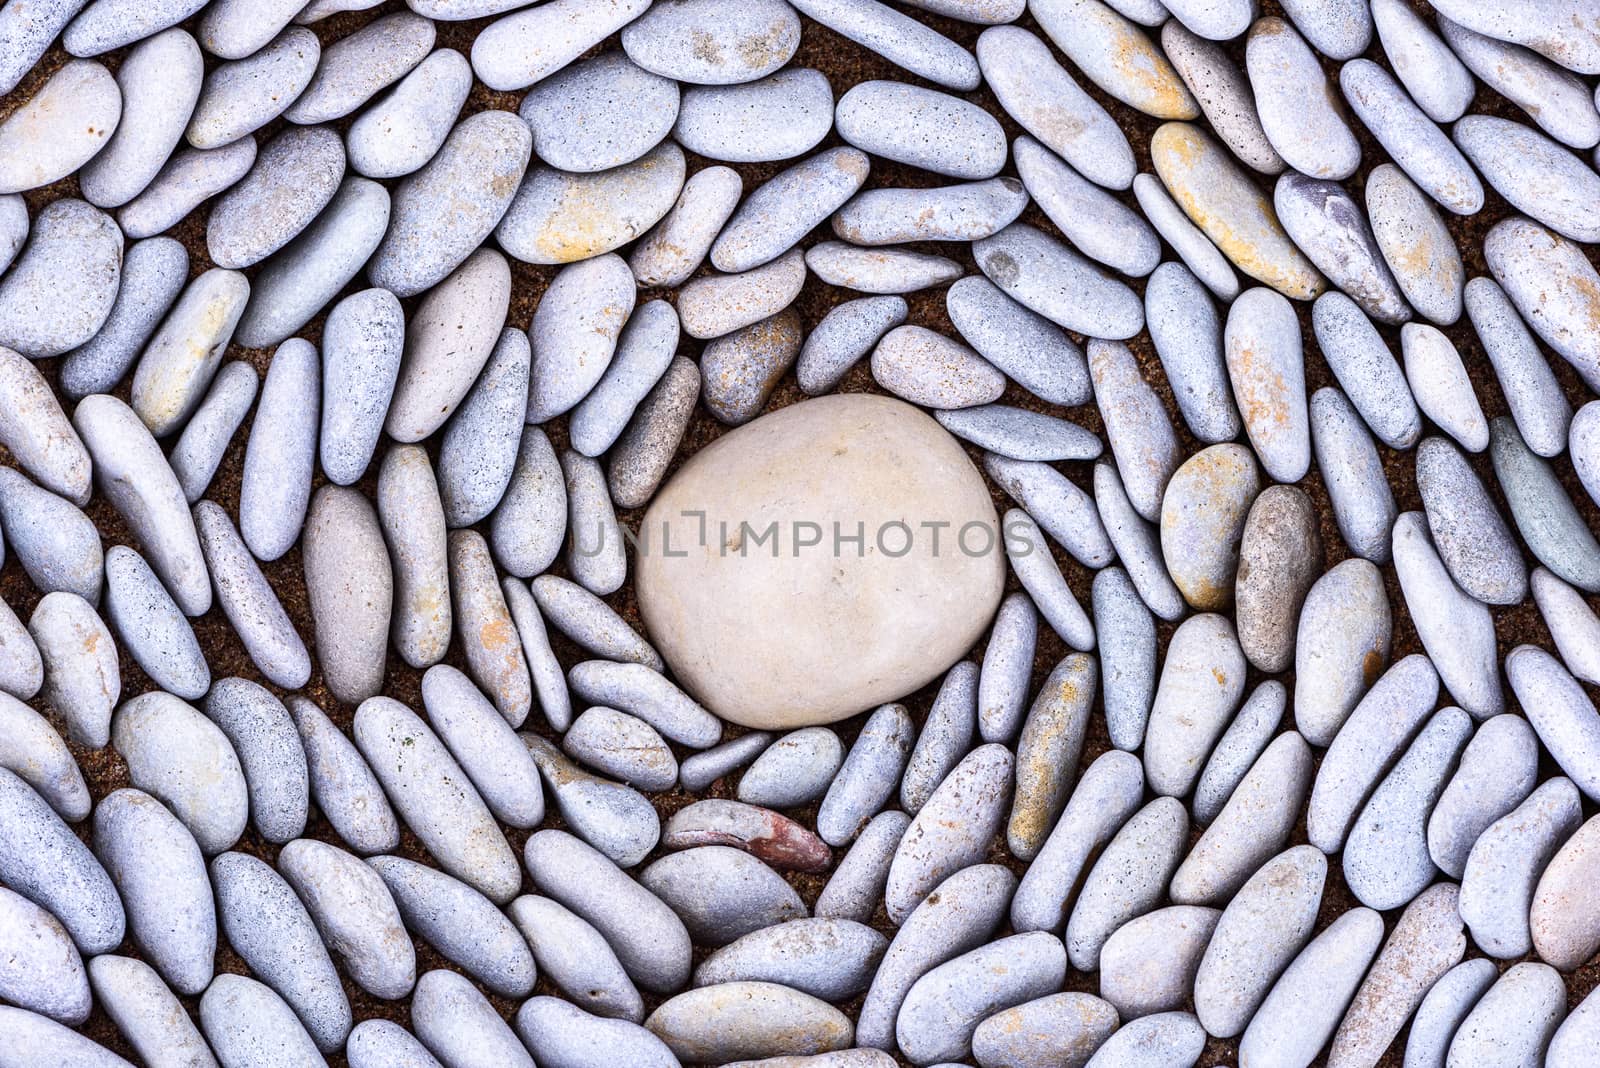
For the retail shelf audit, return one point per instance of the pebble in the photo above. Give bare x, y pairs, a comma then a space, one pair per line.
622, 746
159, 81
349, 586
1093, 220
294, 177
1367, 370
1223, 201
580, 122
1031, 350
1559, 304
943, 1009
62, 288
1472, 538
952, 830
714, 305
599, 565
1137, 545
959, 916
1538, 28
1566, 931
1329, 226
1572, 624
490, 643
301, 279
37, 432
1220, 88
1530, 388
250, 1027
1148, 964
1415, 244
479, 165
1442, 1010
233, 29
856, 886
1204, 511
153, 272
1188, 338
922, 128
1065, 511
1503, 868
190, 178
1201, 263
782, 210
793, 771
1047, 277
1306, 1002
182, 358
355, 915
945, 738
1456, 631
342, 783
1047, 753
644, 350
676, 247
62, 126
455, 1021
1387, 859
1280, 553
1340, 30
524, 47
435, 798
280, 457
1236, 751
197, 454
1410, 138
1553, 97
1545, 516
1574, 1038
1363, 504
44, 972
1117, 56
76, 660
1048, 103
1020, 434
185, 760
830, 959
42, 860
1440, 383
1007, 669
568, 1037
412, 518
21, 668
264, 738
362, 64
562, 217
273, 933
868, 776
886, 270
740, 1021
1262, 344
1515, 1018
485, 745
1296, 104
704, 44
1535, 174
28, 34
647, 936
549, 683
1029, 555
966, 212
35, 753
239, 98
1559, 711
1127, 879
151, 626
650, 441
1253, 825
1107, 793
57, 545
1344, 638
161, 877
1256, 937
1438, 81
147, 1014
1143, 442
897, 37
614, 818
39, 1039
573, 955
1058, 1028
362, 341
575, 332
401, 132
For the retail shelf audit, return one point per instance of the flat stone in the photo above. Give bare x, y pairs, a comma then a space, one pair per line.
63, 287
401, 132
1532, 393
1148, 964
1366, 368
1410, 138
1456, 630
1503, 869
69, 119
1514, 1020
1415, 243
1296, 104
1345, 631
706, 44
882, 435
159, 80
748, 1020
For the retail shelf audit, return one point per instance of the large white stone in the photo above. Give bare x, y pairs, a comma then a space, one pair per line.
773, 633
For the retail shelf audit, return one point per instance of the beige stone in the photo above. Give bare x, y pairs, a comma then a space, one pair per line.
770, 632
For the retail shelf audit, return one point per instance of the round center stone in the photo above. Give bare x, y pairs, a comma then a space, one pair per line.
823, 559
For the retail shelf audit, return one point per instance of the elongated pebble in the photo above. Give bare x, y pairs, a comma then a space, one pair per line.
1328, 225
400, 133
568, 1037
250, 1026
701, 43
1032, 351
528, 527
1204, 510
63, 286
1266, 365
934, 370
748, 1020
1496, 772
643, 351
1438, 81
1503, 869
1007, 669
1345, 631
1127, 879
1280, 554
21, 667
856, 886
524, 47
880, 270
966, 212
1573, 624
1196, 251
1057, 1028
1411, 139
1575, 1037
1305, 1004
572, 954
562, 217
362, 341
613, 817
435, 797
1472, 537
1366, 369
153, 272
1296, 105
1137, 545
190, 178
461, 924
897, 37
480, 164
549, 682
868, 776
1256, 938
478, 452
280, 456
922, 128
1446, 1004
1339, 29
293, 178
351, 589
358, 66
1514, 1020
1545, 516
37, 432
185, 760
622, 746
355, 915
1020, 434
1561, 713
159, 81
1047, 277
35, 1039
412, 518
1117, 56
1559, 304
1148, 964
1218, 85
1529, 386
1094, 221
778, 213
1107, 793
1363, 503
454, 1020
198, 452
1029, 554
637, 689
484, 745
794, 770
182, 358
739, 371
28, 34
57, 545
1415, 244
952, 830
671, 252
1237, 750
151, 626
650, 441
342, 783
64, 124
1455, 629
269, 751
1047, 753
78, 662
1226, 204
1566, 931
241, 97
1125, 635
39, 756
42, 860
148, 1014
943, 1009
596, 558
1555, 98
1440, 383
1143, 442
827, 958
713, 305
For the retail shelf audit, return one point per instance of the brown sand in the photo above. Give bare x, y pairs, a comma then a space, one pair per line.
845, 64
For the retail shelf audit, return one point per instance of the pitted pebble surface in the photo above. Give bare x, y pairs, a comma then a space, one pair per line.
1295, 472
